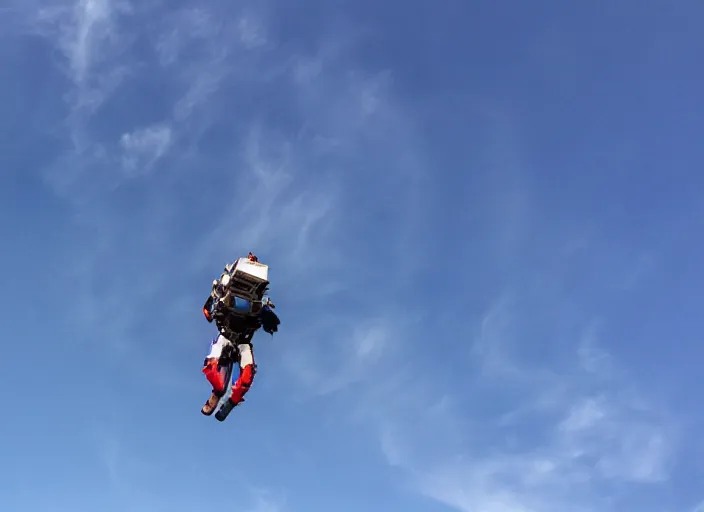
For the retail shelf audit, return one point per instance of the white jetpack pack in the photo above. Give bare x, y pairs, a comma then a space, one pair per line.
243, 278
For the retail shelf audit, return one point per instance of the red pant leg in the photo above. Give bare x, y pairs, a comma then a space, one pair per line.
247, 371
216, 376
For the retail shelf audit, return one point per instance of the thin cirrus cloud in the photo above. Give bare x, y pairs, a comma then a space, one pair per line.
144, 146
443, 330
593, 432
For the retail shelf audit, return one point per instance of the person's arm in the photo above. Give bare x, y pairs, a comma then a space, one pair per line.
207, 308
269, 320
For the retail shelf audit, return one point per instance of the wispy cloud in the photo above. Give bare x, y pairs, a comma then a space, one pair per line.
438, 301
570, 436
91, 36
265, 500
495, 414
144, 146
111, 58
341, 353
122, 470
292, 195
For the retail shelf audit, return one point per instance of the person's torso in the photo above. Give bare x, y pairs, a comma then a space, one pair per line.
240, 319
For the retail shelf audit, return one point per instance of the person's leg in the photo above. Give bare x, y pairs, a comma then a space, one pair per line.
216, 375
240, 387
247, 371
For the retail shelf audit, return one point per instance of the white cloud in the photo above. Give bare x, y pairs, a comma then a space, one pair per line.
281, 213
96, 39
208, 50
123, 467
339, 354
183, 27
144, 146
90, 35
270, 200
203, 82
472, 414
265, 501
552, 457
251, 32
509, 432
583, 416
93, 26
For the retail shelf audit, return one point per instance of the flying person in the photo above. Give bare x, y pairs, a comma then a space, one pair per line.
238, 313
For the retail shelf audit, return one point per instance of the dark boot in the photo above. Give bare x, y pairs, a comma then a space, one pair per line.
226, 409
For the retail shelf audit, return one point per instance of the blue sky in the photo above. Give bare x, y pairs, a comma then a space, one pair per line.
482, 224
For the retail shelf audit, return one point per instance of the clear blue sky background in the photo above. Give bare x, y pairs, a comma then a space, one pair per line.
483, 221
